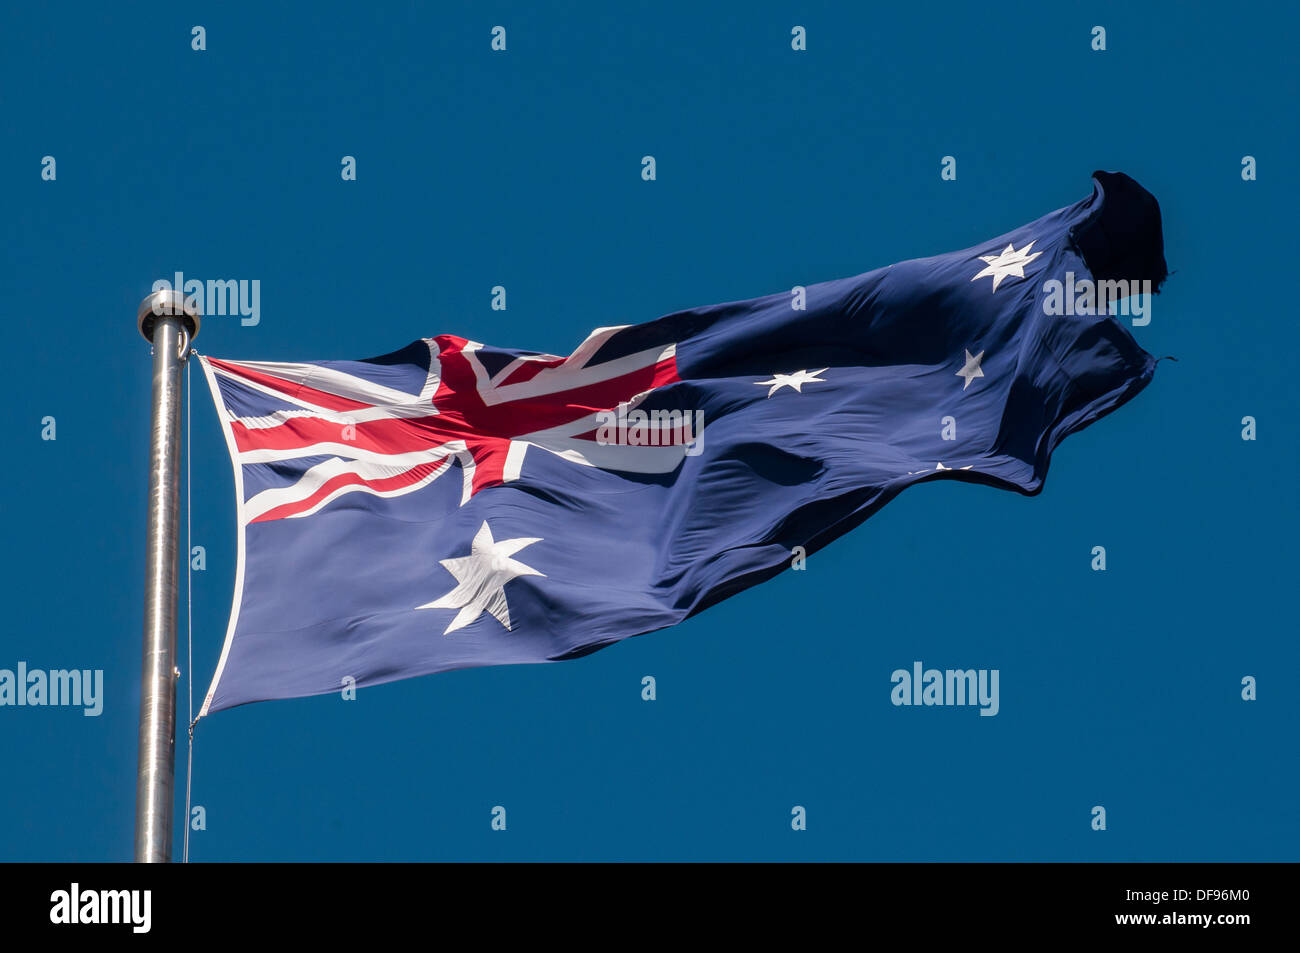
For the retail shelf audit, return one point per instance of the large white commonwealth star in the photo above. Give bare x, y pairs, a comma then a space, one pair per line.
1010, 263
795, 380
481, 578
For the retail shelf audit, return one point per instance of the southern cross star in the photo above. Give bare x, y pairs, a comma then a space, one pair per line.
481, 578
1010, 263
795, 380
972, 368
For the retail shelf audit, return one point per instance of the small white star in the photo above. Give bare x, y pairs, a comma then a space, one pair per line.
1010, 263
795, 380
481, 578
938, 466
972, 369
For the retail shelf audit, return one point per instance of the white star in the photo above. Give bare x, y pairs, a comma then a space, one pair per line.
972, 369
481, 578
795, 380
938, 466
1009, 263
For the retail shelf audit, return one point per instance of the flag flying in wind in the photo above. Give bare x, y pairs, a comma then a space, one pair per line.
454, 504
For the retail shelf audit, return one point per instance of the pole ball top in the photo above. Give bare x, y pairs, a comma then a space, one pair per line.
163, 303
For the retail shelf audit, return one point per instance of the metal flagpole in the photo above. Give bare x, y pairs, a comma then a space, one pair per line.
170, 323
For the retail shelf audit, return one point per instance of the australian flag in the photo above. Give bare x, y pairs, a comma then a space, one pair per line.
454, 504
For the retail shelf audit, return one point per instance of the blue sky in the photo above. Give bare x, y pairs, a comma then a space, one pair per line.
775, 168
